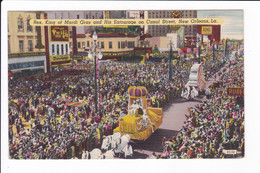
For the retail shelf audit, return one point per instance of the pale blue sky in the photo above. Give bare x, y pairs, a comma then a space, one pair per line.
233, 26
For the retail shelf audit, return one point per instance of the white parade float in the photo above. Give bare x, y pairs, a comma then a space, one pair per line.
196, 83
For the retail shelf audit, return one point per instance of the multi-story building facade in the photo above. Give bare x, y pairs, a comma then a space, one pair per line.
162, 30
22, 37
133, 14
26, 50
77, 15
117, 14
113, 45
109, 42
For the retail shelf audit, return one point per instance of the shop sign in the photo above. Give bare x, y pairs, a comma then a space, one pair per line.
59, 34
13, 55
235, 91
57, 58
206, 30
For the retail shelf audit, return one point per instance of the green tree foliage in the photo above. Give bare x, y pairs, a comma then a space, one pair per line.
156, 50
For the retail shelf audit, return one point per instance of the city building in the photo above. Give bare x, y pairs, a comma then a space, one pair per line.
108, 42
26, 50
133, 14
163, 43
155, 30
117, 14
77, 15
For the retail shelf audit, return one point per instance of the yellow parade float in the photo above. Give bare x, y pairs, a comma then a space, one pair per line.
141, 120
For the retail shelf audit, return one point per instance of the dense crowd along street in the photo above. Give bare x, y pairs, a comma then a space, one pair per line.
213, 126
44, 124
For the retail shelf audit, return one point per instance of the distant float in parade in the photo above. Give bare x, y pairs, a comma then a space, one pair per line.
196, 84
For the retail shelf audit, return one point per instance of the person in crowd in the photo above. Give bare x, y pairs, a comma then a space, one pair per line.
45, 126
212, 126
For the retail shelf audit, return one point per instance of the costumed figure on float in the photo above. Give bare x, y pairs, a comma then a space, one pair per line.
141, 120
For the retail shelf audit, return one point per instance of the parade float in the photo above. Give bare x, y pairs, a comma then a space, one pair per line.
196, 78
141, 120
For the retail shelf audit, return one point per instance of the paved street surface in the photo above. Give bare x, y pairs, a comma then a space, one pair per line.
173, 120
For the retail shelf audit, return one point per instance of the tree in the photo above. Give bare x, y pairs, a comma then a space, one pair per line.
156, 50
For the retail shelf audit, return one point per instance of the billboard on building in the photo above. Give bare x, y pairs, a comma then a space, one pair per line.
212, 31
59, 34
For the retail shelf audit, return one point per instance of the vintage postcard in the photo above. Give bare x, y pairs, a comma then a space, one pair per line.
124, 84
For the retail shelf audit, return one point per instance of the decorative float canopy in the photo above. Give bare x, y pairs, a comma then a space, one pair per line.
138, 91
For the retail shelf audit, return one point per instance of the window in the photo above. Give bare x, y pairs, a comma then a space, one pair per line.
93, 17
83, 44
102, 45
62, 49
20, 24
122, 44
86, 16
119, 45
110, 45
67, 50
25, 65
77, 16
58, 49
87, 43
21, 45
131, 44
30, 45
29, 27
78, 44
52, 49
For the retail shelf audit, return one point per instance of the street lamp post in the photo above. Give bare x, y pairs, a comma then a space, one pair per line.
170, 61
90, 55
199, 47
213, 48
226, 48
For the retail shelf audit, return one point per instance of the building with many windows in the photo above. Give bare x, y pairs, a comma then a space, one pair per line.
77, 15
157, 30
26, 50
109, 42
22, 37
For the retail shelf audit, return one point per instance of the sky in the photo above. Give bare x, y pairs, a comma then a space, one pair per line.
233, 26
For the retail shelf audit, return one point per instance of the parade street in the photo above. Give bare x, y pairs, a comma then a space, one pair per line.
173, 120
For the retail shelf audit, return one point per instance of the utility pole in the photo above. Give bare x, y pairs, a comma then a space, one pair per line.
170, 62
46, 33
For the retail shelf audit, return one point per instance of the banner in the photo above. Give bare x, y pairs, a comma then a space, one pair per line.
59, 34
235, 91
130, 22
